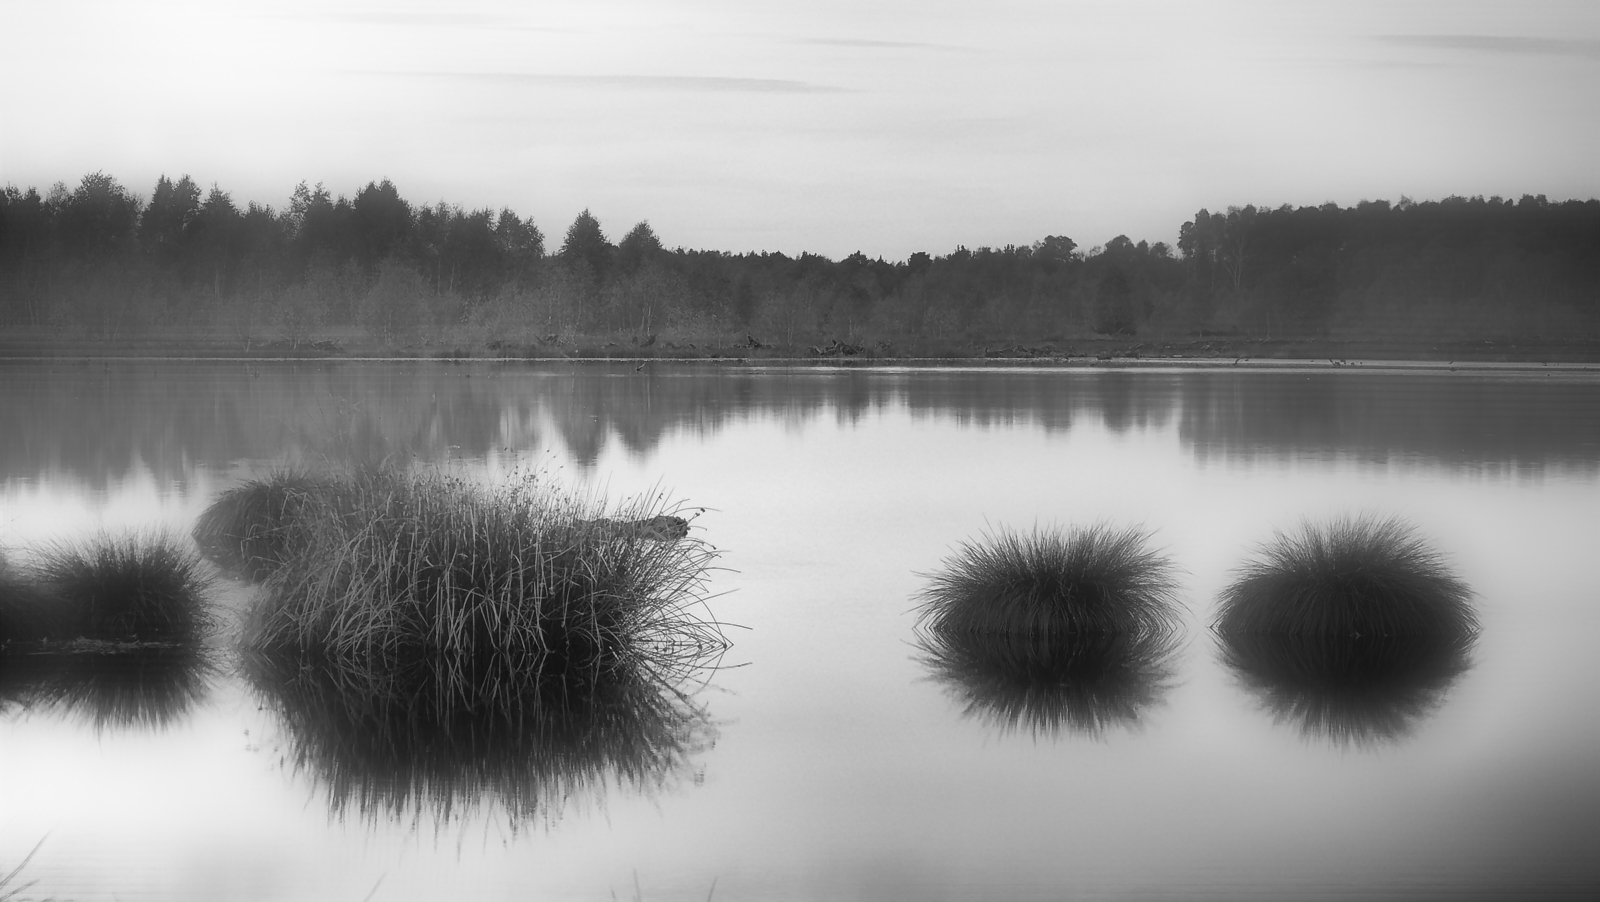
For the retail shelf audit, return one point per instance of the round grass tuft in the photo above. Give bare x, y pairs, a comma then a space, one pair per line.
1086, 581
134, 587
1350, 577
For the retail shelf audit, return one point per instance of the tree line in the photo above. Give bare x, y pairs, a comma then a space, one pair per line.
99, 260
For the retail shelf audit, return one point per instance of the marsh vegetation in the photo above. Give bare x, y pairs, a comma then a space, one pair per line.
135, 587
1049, 583
1052, 630
1354, 628
390, 564
1361, 576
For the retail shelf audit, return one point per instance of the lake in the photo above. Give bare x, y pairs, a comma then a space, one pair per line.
830, 756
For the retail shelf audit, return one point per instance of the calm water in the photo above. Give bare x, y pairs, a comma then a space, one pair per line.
840, 762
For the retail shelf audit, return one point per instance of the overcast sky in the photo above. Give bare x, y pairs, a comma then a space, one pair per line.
887, 126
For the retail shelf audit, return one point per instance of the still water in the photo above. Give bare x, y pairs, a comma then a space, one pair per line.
832, 756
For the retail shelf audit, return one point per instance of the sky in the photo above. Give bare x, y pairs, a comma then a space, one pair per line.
884, 126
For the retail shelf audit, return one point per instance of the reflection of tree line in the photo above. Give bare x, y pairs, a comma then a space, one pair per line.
95, 421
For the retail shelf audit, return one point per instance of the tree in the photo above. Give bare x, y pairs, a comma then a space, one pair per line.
380, 220
98, 218
586, 244
638, 247
164, 228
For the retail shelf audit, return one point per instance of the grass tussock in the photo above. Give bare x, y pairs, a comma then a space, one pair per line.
134, 587
1353, 691
1094, 580
410, 738
1351, 577
248, 529
396, 564
1087, 683
28, 614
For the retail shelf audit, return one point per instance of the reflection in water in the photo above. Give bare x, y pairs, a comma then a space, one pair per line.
152, 687
99, 424
419, 737
1080, 683
1353, 690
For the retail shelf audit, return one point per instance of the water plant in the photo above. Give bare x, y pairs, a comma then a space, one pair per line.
406, 737
1087, 580
27, 613
248, 528
1360, 691
1085, 683
432, 563
130, 587
1350, 577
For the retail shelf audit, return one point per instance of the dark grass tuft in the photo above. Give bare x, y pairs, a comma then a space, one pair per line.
1093, 580
148, 687
135, 587
1086, 683
404, 564
404, 738
1357, 691
1351, 577
247, 530
28, 614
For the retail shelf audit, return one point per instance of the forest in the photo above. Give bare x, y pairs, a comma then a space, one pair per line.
101, 262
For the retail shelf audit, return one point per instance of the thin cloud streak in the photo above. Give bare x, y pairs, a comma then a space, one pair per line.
691, 83
891, 45
1484, 43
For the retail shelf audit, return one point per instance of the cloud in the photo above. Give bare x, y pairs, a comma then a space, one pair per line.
1586, 48
892, 45
430, 20
686, 83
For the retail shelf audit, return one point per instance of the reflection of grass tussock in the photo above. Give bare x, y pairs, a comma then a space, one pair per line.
1089, 580
136, 587
247, 529
1352, 577
1085, 683
1353, 690
140, 687
427, 563
428, 736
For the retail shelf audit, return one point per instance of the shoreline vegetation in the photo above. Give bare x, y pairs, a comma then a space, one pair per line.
99, 271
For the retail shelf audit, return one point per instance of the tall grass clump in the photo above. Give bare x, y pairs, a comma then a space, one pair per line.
1351, 577
433, 564
133, 587
409, 738
1094, 580
1087, 683
27, 613
248, 529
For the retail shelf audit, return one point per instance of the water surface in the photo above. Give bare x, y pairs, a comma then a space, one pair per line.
845, 759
